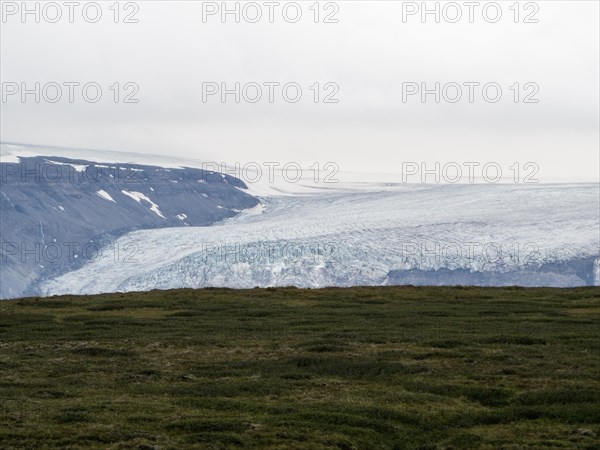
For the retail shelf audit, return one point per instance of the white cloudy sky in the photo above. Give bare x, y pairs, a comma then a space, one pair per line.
369, 54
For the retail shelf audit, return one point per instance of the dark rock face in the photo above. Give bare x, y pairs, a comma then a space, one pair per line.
577, 272
58, 213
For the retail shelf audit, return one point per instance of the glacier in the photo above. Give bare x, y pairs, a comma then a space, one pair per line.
529, 235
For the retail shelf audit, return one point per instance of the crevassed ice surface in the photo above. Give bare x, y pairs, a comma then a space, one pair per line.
356, 238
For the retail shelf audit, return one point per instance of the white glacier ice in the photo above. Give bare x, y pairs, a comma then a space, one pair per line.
356, 238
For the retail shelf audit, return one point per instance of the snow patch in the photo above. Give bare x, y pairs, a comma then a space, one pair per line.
138, 197
105, 195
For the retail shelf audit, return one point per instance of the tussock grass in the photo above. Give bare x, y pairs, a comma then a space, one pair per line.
358, 368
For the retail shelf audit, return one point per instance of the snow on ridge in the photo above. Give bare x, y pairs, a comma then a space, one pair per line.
78, 167
138, 197
12, 152
258, 183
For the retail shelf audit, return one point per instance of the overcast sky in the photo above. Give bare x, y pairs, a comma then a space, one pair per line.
369, 54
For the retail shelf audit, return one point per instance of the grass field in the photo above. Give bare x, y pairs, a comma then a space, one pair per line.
364, 368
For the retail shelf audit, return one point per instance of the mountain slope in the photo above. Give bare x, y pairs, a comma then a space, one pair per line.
58, 214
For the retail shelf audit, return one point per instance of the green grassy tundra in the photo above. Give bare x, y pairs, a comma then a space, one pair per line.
357, 368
